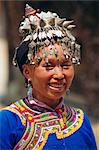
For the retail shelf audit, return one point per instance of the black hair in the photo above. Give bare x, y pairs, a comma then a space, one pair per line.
21, 56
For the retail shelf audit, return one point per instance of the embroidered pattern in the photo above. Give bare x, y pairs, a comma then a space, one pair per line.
40, 125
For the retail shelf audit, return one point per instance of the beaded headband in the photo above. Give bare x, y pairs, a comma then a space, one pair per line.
44, 29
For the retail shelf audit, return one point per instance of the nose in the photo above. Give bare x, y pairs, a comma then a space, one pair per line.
58, 73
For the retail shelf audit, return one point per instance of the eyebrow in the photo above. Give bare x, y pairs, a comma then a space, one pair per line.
52, 60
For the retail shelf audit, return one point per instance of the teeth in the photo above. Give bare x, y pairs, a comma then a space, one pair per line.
57, 86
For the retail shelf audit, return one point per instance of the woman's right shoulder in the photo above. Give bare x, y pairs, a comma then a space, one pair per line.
11, 127
11, 113
8, 116
5, 112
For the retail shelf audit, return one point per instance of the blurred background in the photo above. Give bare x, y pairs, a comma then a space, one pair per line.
85, 88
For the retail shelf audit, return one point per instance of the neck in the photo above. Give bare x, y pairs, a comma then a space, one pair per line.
48, 102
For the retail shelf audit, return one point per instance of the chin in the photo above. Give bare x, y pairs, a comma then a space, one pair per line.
56, 96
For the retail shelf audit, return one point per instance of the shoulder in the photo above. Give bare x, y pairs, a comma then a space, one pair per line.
11, 127
8, 117
6, 114
82, 117
9, 122
80, 114
87, 126
19, 110
10, 113
86, 131
81, 121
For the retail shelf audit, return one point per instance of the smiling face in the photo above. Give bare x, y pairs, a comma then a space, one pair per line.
50, 80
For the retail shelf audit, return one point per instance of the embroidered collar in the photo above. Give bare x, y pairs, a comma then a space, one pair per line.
41, 121
42, 107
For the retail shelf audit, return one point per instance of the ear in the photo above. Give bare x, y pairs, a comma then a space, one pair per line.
26, 71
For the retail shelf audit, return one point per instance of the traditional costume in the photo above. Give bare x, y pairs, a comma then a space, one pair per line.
29, 124
36, 126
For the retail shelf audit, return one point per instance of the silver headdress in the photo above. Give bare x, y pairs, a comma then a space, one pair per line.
43, 29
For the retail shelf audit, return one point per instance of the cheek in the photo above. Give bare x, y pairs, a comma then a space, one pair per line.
40, 78
72, 73
69, 76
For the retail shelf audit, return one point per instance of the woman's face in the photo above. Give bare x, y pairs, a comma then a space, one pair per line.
51, 81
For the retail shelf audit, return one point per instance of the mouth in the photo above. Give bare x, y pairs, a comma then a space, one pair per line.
57, 87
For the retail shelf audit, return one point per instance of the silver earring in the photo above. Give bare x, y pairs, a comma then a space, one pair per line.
68, 92
29, 88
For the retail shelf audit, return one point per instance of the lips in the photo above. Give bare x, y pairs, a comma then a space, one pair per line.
57, 86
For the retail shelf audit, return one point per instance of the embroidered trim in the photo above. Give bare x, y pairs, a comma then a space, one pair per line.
22, 110
39, 126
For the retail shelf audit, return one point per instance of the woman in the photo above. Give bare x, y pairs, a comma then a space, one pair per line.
46, 58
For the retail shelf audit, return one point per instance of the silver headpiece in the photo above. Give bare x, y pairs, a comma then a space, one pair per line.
43, 29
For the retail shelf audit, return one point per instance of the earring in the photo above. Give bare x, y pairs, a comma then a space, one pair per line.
29, 88
68, 92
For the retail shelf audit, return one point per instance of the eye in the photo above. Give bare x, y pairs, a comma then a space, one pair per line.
66, 66
49, 66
